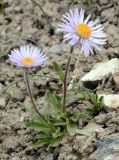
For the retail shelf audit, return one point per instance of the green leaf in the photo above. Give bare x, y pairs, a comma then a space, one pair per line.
93, 98
71, 128
59, 100
101, 100
38, 126
54, 101
55, 142
92, 112
43, 136
58, 122
71, 96
32, 111
59, 71
58, 133
98, 102
40, 143
48, 139
77, 117
84, 95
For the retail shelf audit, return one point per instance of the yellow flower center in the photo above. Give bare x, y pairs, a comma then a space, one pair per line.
83, 30
27, 61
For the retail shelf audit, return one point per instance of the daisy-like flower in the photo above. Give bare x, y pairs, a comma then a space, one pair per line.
88, 33
27, 56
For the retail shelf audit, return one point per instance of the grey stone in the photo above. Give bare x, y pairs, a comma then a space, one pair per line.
90, 129
107, 148
49, 157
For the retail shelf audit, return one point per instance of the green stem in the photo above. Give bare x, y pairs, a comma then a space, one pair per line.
32, 100
65, 80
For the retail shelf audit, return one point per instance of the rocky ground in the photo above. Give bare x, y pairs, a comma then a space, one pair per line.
23, 22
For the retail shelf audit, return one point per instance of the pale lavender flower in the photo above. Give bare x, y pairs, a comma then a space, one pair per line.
88, 33
27, 56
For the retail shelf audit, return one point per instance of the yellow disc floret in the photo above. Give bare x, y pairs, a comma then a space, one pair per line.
83, 30
27, 61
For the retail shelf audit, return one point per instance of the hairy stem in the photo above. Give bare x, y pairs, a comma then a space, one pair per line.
65, 80
32, 100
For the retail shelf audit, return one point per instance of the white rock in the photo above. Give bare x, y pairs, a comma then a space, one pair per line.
102, 70
111, 101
